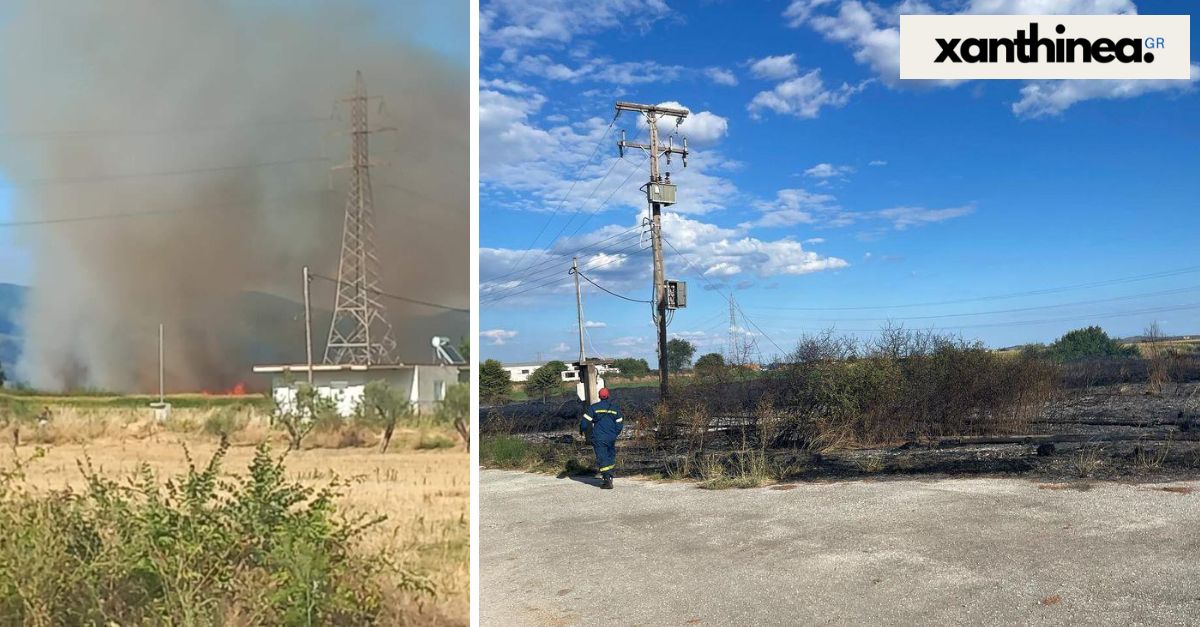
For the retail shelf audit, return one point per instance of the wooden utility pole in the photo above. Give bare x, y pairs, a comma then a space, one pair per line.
660, 192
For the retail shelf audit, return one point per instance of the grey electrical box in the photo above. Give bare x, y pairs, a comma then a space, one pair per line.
662, 193
676, 294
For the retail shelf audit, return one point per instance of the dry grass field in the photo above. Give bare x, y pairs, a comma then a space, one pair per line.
421, 484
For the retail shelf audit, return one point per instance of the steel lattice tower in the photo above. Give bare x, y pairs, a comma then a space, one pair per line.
359, 332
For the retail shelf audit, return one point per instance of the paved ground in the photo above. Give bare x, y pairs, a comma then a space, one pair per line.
979, 551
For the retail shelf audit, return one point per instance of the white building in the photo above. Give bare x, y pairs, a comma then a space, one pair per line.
521, 371
426, 383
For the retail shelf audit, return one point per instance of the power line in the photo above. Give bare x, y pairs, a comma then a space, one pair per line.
1049, 290
1002, 311
133, 175
570, 189
553, 258
632, 300
1017, 323
152, 212
615, 259
609, 249
394, 296
719, 291
160, 131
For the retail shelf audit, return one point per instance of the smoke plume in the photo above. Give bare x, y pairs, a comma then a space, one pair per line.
204, 132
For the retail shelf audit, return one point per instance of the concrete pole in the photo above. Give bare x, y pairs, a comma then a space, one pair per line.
308, 326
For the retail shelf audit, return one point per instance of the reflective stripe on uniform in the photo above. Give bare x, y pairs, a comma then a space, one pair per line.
620, 419
605, 411
607, 468
587, 417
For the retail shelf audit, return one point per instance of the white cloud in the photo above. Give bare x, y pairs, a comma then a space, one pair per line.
877, 162
828, 170
815, 240
702, 127
1046, 98
798, 206
904, 217
514, 23
803, 96
775, 67
591, 324
1051, 7
872, 32
498, 337
599, 70
721, 76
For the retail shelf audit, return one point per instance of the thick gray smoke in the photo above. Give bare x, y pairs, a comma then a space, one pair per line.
208, 114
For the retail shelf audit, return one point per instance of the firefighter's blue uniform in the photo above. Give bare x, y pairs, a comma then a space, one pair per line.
606, 421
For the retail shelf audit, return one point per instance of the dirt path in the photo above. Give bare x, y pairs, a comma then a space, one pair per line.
982, 551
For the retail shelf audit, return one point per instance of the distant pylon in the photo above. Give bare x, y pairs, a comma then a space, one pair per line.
359, 332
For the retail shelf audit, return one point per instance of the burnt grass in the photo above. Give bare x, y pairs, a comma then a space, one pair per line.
1104, 422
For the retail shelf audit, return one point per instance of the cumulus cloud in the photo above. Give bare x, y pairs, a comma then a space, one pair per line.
803, 96
1047, 98
702, 127
872, 32
592, 324
1051, 7
498, 337
774, 67
515, 23
721, 76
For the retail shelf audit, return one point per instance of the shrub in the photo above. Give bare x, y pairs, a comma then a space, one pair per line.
710, 365
308, 410
1089, 342
545, 380
495, 383
503, 451
384, 406
631, 367
197, 549
224, 422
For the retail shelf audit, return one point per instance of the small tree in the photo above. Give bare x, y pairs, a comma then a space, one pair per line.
307, 409
1088, 342
495, 383
456, 409
383, 407
464, 348
679, 354
632, 367
2, 379
710, 365
545, 380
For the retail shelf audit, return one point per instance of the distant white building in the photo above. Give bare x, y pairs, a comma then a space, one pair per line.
426, 383
521, 371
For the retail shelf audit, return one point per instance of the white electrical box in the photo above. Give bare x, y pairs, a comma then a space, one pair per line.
676, 294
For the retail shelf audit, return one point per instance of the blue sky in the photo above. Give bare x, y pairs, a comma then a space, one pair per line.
822, 191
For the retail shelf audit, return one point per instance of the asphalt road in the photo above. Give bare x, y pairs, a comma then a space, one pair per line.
950, 551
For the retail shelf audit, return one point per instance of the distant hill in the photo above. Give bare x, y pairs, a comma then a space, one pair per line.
270, 331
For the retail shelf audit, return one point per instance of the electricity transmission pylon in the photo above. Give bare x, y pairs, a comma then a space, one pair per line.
359, 332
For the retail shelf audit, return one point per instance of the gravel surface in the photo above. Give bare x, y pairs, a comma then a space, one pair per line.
947, 551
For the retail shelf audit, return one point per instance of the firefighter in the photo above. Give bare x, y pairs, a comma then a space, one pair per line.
605, 421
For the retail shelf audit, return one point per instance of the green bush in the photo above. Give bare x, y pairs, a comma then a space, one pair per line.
503, 451
224, 422
1089, 342
198, 549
